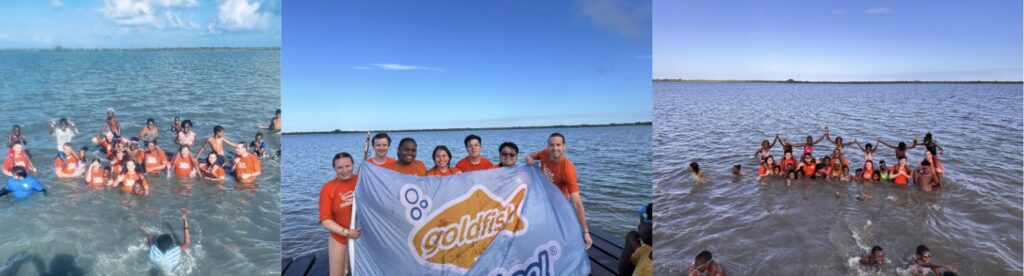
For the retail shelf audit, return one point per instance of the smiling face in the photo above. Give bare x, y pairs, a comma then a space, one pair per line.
508, 157
473, 148
556, 146
441, 158
343, 168
407, 152
381, 146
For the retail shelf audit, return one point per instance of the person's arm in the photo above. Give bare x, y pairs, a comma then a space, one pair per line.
29, 166
145, 185
117, 125
880, 142
938, 146
230, 143
203, 148
531, 157
823, 136
188, 238
149, 236
581, 216
776, 139
861, 147
53, 127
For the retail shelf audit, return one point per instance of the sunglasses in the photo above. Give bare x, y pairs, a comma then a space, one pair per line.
503, 154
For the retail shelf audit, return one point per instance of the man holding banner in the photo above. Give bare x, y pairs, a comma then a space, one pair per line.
563, 175
336, 199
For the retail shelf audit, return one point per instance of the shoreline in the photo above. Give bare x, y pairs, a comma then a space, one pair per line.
338, 131
837, 82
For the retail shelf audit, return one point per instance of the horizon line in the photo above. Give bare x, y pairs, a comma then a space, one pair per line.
339, 131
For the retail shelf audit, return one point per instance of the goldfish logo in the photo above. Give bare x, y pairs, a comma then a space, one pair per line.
346, 199
459, 232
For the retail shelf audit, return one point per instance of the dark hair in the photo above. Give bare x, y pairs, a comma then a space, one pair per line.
150, 120
793, 172
845, 167
471, 137
164, 242
927, 137
695, 167
217, 129
19, 171
776, 167
406, 139
901, 145
278, 111
258, 135
738, 167
875, 249
186, 123
15, 127
433, 154
508, 145
921, 249
341, 155
948, 273
704, 256
85, 148
559, 135
925, 163
63, 120
382, 135
880, 162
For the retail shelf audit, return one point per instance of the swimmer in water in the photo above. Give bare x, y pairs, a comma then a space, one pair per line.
808, 145
790, 176
186, 137
509, 155
18, 159
381, 144
901, 148
808, 166
738, 171
65, 164
924, 177
922, 260
258, 146
697, 174
112, 124
845, 176
868, 149
164, 254
930, 145
21, 185
876, 257
149, 133
442, 163
216, 142
275, 123
176, 125
766, 167
765, 149
210, 169
883, 171
704, 265
184, 164
16, 137
900, 173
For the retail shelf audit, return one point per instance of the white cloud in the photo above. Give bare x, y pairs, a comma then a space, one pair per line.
57, 3
878, 10
175, 21
177, 3
627, 18
129, 12
242, 15
396, 67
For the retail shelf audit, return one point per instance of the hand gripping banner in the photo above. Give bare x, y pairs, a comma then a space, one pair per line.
505, 221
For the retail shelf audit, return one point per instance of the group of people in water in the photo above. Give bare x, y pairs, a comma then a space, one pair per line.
122, 162
927, 174
918, 264
337, 195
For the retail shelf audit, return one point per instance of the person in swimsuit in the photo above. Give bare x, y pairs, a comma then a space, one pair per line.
20, 185
777, 171
838, 142
216, 142
210, 169
930, 145
64, 130
765, 149
901, 148
703, 265
738, 170
336, 199
275, 123
869, 171
164, 254
875, 257
112, 124
922, 260
845, 176
258, 146
868, 149
697, 174
788, 162
186, 137
509, 155
936, 166
134, 152
65, 164
924, 177
381, 145
442, 163
149, 133
407, 163
132, 181
473, 161
184, 164
176, 125
808, 146
16, 137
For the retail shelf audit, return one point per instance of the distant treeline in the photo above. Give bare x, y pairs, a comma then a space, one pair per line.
62, 49
839, 82
338, 131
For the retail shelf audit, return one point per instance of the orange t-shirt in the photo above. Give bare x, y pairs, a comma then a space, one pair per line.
183, 167
98, 179
130, 180
12, 161
65, 167
153, 159
563, 173
788, 164
217, 171
899, 180
388, 161
465, 166
415, 168
247, 167
336, 198
437, 172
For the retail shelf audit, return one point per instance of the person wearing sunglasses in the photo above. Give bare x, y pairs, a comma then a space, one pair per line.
923, 259
509, 155
703, 265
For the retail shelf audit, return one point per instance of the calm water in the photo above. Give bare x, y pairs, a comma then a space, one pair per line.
973, 222
235, 229
612, 163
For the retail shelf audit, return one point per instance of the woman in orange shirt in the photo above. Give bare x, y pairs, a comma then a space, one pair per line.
184, 163
210, 169
381, 144
65, 164
131, 180
336, 199
442, 163
509, 155
96, 176
900, 173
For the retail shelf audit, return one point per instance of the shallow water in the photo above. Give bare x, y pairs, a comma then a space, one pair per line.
974, 222
612, 165
236, 229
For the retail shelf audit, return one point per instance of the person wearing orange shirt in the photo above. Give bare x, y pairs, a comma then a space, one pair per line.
96, 175
184, 164
210, 169
442, 163
246, 166
381, 144
131, 181
336, 199
509, 155
473, 162
18, 158
65, 164
154, 159
407, 163
563, 174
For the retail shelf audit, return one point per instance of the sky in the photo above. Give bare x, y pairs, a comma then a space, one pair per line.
838, 40
387, 65
33, 24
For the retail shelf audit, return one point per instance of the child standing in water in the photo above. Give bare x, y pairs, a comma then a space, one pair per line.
901, 148
765, 149
808, 146
869, 150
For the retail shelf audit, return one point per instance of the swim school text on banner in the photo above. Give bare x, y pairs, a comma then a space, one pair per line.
505, 221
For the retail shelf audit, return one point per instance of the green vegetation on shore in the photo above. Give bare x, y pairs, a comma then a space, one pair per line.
837, 82
338, 131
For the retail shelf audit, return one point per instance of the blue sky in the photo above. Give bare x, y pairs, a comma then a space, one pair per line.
139, 23
838, 40
378, 65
